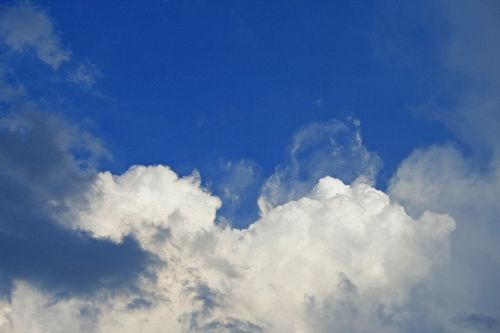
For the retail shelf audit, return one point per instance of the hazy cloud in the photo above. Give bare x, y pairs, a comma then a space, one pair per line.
464, 183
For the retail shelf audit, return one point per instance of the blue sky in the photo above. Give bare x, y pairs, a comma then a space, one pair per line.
250, 103
186, 82
194, 83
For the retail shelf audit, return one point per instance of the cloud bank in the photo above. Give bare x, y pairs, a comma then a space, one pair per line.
142, 251
341, 257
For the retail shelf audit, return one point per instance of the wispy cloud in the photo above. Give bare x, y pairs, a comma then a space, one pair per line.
333, 148
85, 74
25, 27
464, 183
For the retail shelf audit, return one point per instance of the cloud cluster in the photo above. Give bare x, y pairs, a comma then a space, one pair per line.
341, 257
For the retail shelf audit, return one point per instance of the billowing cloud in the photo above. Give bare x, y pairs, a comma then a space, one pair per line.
25, 27
143, 250
340, 257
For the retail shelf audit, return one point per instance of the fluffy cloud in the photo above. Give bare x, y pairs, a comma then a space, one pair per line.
339, 258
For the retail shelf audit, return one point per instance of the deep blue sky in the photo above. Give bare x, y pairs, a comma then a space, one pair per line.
188, 82
195, 84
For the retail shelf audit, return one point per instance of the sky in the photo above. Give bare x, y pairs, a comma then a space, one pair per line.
250, 166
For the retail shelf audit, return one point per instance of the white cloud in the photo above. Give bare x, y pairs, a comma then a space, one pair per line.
145, 199
339, 258
26, 27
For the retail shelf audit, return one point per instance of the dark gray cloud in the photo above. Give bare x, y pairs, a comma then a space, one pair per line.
43, 163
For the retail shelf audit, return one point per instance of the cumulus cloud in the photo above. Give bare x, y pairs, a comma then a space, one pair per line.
129, 252
340, 257
25, 27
